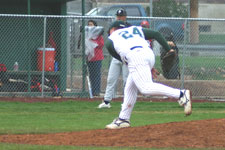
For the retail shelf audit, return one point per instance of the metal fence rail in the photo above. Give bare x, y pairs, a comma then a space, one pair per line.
58, 43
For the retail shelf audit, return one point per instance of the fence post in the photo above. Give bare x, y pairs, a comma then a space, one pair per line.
84, 65
30, 56
184, 50
43, 59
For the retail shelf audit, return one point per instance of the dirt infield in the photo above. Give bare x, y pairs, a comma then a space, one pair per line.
195, 134
191, 134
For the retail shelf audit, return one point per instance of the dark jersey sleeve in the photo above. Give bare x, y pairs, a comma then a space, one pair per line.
110, 47
128, 24
151, 34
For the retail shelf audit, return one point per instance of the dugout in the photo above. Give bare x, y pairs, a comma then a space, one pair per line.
20, 37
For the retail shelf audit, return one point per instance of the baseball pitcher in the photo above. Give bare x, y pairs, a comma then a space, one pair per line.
129, 45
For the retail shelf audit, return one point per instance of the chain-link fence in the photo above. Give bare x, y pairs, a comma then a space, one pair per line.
58, 42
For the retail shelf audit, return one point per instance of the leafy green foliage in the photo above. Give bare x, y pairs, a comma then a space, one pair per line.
168, 8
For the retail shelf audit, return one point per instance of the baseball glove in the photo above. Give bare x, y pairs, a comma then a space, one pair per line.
168, 60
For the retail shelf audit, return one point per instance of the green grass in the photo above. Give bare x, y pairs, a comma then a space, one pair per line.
201, 67
212, 38
20, 118
37, 147
77, 63
205, 68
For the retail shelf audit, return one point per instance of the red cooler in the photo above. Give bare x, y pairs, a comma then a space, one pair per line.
49, 59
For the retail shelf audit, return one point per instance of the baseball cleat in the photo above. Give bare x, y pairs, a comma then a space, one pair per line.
104, 105
186, 102
118, 124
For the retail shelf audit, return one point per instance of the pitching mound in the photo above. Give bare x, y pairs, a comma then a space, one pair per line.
195, 134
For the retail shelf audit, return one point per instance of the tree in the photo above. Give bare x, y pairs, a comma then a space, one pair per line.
194, 31
169, 8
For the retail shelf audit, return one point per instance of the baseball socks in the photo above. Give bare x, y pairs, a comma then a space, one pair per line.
181, 94
185, 101
104, 104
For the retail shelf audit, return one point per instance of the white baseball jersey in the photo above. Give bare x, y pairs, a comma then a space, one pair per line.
133, 48
132, 35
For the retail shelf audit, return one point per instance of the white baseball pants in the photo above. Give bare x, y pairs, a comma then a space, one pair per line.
140, 63
115, 69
